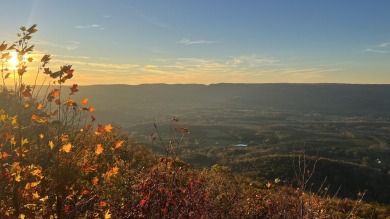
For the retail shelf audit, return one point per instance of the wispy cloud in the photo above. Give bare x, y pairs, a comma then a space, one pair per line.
106, 16
69, 45
91, 70
239, 69
376, 51
253, 60
72, 57
380, 48
244, 68
186, 41
382, 45
313, 72
90, 26
154, 69
97, 64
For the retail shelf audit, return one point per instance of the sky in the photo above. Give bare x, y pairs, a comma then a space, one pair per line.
208, 41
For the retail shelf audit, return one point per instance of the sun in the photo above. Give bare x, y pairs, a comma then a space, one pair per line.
14, 59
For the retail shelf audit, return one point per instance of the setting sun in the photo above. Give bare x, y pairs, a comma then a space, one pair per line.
14, 59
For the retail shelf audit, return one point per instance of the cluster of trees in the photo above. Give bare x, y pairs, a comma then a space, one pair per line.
55, 162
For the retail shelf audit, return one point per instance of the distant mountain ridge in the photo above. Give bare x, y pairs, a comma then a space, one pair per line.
147, 100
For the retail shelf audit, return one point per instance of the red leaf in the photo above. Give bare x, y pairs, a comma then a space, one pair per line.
4, 155
100, 128
164, 210
85, 192
184, 130
74, 89
102, 204
66, 208
142, 202
56, 92
89, 127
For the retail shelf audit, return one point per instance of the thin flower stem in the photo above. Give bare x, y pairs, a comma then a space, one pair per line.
35, 82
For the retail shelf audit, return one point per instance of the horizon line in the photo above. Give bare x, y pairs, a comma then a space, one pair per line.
222, 83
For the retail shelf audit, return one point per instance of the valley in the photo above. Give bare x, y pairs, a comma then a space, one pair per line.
261, 130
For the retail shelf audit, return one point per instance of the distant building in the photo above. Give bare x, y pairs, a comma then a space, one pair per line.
241, 145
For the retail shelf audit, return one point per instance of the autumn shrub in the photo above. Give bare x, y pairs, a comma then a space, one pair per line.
172, 190
224, 190
54, 161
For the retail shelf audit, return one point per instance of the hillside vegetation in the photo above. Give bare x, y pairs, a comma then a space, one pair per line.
57, 162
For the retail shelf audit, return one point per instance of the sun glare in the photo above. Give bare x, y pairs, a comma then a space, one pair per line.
14, 59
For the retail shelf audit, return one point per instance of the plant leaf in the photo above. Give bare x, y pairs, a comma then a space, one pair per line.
118, 144
95, 181
67, 147
107, 215
3, 46
51, 144
99, 149
108, 128
38, 118
84, 101
74, 89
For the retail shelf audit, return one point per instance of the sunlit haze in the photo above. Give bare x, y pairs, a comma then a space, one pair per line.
14, 59
136, 42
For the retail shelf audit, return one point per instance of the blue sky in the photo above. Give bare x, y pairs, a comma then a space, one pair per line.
176, 41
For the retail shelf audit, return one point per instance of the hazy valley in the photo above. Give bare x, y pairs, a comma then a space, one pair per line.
345, 126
